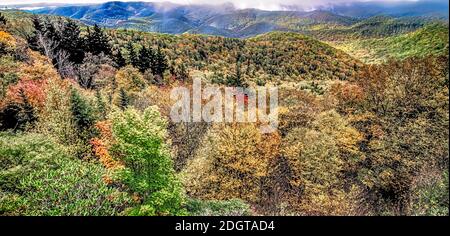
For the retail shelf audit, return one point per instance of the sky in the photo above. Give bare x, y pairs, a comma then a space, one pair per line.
261, 4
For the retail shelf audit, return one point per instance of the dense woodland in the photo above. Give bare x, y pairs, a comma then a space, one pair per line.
85, 128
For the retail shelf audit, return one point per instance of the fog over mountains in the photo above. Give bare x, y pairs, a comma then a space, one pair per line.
228, 20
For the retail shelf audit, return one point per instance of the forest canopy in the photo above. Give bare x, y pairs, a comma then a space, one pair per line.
85, 124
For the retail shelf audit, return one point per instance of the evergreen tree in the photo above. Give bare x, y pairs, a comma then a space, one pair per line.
160, 64
148, 166
119, 59
132, 57
236, 79
71, 41
81, 111
38, 29
124, 100
101, 105
146, 59
97, 41
2, 20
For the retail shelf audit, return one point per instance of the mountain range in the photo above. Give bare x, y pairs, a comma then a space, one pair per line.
229, 21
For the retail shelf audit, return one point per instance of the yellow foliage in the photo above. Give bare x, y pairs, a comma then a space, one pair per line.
39, 69
232, 163
7, 40
130, 79
345, 136
155, 96
55, 119
318, 157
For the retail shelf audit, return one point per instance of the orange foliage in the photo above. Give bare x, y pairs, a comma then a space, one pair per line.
101, 146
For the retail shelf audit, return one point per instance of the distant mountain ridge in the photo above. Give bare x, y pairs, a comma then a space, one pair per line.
223, 20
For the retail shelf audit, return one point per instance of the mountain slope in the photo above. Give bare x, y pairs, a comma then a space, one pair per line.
430, 40
275, 56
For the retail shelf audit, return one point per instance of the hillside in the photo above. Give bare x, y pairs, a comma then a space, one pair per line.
430, 40
88, 121
276, 56
369, 28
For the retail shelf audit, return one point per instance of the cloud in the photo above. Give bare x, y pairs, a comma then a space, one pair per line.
260, 4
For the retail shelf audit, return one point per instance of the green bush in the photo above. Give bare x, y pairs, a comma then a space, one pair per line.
38, 178
149, 173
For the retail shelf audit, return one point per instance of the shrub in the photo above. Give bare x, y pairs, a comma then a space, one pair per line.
38, 178
148, 173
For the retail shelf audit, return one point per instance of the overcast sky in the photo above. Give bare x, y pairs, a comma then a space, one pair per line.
261, 4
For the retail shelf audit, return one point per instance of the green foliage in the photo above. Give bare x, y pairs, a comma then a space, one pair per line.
38, 178
373, 143
140, 144
97, 41
82, 111
233, 207
429, 40
56, 119
101, 109
160, 64
432, 198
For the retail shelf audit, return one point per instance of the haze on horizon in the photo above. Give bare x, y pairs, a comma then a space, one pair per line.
259, 4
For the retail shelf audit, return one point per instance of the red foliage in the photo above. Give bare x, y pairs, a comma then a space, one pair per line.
34, 91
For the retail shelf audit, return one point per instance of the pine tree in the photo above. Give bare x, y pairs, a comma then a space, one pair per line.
97, 41
2, 20
160, 64
50, 32
236, 79
119, 59
101, 105
38, 29
146, 59
124, 100
81, 111
71, 41
132, 57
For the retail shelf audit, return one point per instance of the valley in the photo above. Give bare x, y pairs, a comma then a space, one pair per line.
86, 101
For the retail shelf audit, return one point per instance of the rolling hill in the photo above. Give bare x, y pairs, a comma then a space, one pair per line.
274, 56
